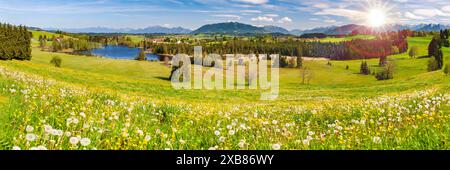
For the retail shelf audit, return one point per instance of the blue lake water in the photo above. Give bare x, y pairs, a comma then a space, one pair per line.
121, 52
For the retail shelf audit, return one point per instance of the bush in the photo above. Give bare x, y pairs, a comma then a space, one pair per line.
387, 72
291, 62
283, 62
57, 61
433, 64
141, 56
447, 69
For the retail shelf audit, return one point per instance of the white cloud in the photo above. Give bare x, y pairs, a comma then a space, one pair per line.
431, 13
348, 13
330, 21
251, 11
236, 17
285, 20
253, 1
321, 5
413, 16
446, 8
272, 15
264, 19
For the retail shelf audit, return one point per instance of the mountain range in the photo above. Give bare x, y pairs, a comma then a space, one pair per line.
148, 30
346, 29
240, 28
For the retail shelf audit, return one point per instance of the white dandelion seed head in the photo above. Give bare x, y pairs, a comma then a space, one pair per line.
148, 138
85, 141
30, 137
73, 140
29, 128
276, 146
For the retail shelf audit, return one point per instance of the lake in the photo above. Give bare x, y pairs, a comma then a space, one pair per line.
121, 52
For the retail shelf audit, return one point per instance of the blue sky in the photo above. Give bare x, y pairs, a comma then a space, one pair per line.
291, 14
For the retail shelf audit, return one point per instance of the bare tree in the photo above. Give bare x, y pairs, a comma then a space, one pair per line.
306, 75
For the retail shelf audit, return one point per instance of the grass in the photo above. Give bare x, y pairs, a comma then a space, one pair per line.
347, 38
136, 38
124, 104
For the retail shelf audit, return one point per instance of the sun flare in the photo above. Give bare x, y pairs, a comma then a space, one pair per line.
376, 17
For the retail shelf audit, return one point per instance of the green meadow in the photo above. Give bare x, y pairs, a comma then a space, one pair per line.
125, 104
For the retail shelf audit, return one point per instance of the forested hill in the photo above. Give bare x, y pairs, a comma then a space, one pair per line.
230, 28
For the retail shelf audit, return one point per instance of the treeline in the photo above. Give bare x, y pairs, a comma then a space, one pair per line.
112, 39
60, 43
387, 44
15, 42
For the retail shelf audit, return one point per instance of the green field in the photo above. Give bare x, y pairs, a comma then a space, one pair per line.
124, 104
347, 38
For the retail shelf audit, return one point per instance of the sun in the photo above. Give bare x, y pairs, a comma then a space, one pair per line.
378, 13
376, 17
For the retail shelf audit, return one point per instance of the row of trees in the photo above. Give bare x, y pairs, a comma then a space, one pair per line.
15, 42
390, 43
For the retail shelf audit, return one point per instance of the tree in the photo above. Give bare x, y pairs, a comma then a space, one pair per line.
434, 50
141, 56
306, 75
364, 68
413, 52
432, 64
387, 72
299, 58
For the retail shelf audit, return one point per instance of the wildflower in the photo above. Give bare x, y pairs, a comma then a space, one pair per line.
16, 148
222, 139
29, 129
231, 132
73, 140
217, 133
147, 138
41, 147
310, 133
276, 146
305, 142
30, 137
85, 141
241, 144
82, 114
182, 141
140, 132
376, 140
212, 148
47, 128
67, 134
274, 122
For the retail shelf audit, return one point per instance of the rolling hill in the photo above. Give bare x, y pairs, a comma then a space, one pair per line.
229, 28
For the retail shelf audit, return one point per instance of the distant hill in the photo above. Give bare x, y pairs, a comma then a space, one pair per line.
230, 28
275, 29
347, 29
246, 29
160, 29
148, 30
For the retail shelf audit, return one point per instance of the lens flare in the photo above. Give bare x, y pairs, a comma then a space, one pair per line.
376, 17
